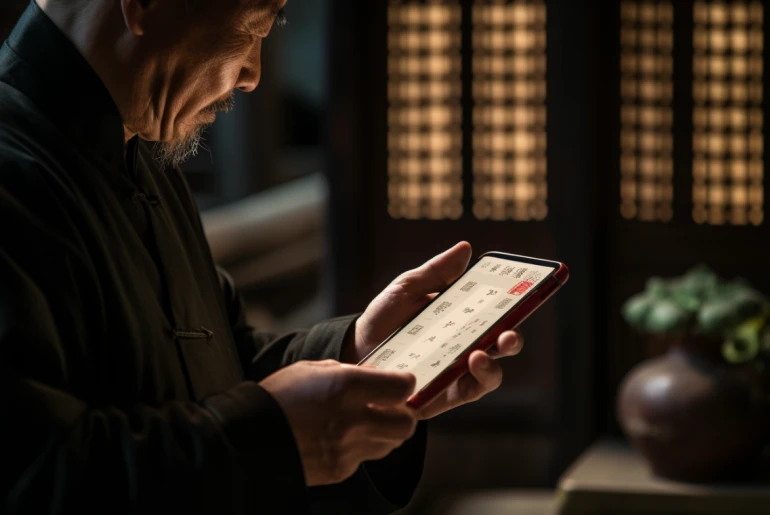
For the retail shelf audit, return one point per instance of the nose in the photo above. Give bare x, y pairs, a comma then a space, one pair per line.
251, 70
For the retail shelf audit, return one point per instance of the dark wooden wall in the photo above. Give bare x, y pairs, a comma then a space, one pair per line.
545, 409
560, 393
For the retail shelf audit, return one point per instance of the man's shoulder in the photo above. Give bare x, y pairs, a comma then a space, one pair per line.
21, 174
17, 111
30, 201
20, 170
22, 131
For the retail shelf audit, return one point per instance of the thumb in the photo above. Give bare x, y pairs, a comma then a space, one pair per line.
440, 271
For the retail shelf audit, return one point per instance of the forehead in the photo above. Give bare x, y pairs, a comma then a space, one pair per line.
262, 5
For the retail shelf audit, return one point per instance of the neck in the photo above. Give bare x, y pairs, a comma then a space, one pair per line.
97, 30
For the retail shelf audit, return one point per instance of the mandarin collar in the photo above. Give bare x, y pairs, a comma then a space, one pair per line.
39, 61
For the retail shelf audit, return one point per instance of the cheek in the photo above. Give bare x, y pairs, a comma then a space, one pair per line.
210, 75
224, 65
210, 82
230, 70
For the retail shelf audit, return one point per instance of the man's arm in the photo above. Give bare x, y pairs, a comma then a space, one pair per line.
379, 486
262, 353
232, 453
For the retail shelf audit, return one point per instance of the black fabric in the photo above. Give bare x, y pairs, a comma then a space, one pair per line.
127, 371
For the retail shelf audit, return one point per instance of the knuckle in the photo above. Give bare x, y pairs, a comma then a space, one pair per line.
407, 429
324, 363
383, 451
413, 422
402, 283
348, 377
403, 277
341, 467
300, 364
341, 431
497, 378
336, 467
410, 426
409, 382
339, 385
495, 384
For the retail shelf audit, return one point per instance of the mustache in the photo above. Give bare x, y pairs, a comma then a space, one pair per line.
225, 105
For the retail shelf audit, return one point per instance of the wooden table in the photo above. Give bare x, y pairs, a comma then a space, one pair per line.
496, 502
610, 478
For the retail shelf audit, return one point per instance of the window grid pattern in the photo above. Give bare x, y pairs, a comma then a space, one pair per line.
646, 114
509, 114
424, 110
727, 113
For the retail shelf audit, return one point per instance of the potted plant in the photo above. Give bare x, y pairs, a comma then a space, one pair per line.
698, 412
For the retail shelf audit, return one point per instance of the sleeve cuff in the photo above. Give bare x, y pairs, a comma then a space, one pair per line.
257, 429
325, 340
396, 476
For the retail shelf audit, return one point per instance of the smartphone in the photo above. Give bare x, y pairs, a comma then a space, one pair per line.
496, 293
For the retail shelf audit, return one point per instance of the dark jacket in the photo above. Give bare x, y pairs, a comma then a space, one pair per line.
128, 376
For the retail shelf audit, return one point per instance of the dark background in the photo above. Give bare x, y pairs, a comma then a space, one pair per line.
320, 116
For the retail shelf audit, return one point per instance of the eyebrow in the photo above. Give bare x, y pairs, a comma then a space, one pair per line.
280, 18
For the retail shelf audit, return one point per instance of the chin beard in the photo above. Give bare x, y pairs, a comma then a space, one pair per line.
173, 154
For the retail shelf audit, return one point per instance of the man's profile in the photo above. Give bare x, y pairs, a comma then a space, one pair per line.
130, 380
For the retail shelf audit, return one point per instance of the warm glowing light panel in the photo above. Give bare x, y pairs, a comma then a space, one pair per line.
424, 110
509, 114
646, 115
727, 114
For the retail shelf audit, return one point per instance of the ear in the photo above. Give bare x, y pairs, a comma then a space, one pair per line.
134, 14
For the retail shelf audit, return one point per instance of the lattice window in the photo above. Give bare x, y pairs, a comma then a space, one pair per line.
727, 115
424, 113
646, 115
509, 115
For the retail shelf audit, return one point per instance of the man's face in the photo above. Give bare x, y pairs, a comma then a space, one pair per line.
198, 52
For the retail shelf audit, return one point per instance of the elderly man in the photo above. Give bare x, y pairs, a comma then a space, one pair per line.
130, 380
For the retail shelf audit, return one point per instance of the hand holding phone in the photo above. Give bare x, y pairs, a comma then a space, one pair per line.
313, 393
496, 293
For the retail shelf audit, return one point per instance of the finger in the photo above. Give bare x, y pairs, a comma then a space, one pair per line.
440, 271
389, 424
378, 386
485, 376
509, 343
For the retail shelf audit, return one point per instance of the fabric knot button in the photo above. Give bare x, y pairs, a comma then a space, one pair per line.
194, 334
147, 198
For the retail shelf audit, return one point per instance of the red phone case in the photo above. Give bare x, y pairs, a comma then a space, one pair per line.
511, 321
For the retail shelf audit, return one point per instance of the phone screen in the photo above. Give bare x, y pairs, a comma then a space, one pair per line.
457, 318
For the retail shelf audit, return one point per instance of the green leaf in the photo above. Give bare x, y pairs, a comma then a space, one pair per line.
666, 316
748, 302
717, 316
636, 308
699, 282
656, 287
746, 342
687, 301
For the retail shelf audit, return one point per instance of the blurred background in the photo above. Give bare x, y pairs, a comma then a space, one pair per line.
624, 138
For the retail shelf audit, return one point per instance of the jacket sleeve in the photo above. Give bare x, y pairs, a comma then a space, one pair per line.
231, 453
262, 353
381, 486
